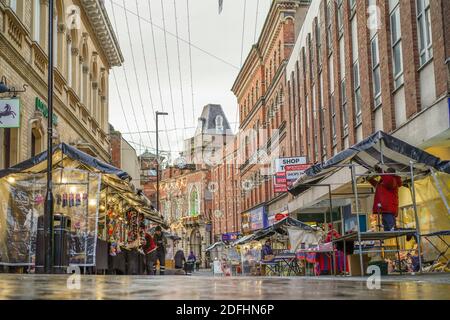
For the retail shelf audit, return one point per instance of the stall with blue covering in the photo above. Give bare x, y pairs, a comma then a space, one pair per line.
97, 211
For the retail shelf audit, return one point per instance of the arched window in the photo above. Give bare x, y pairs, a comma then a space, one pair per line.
219, 123
193, 203
257, 90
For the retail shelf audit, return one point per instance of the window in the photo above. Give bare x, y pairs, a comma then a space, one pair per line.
13, 5
396, 44
340, 17
55, 41
352, 4
424, 26
219, 123
333, 119
357, 89
376, 75
194, 203
319, 45
69, 63
344, 109
37, 20
329, 25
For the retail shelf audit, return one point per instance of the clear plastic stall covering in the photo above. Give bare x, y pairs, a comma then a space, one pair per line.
250, 256
300, 239
22, 197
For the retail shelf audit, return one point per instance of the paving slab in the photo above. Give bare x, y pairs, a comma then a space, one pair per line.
16, 286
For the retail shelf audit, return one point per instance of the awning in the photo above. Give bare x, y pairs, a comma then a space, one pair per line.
217, 244
69, 157
279, 227
379, 149
64, 156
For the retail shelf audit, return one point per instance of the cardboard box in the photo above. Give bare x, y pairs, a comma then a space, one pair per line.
354, 264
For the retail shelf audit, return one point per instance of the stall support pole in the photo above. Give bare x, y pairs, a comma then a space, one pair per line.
48, 214
345, 244
355, 190
332, 228
416, 216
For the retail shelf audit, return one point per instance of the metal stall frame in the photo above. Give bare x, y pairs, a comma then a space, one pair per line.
352, 166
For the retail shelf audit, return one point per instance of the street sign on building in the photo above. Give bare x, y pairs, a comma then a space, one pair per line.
10, 113
293, 172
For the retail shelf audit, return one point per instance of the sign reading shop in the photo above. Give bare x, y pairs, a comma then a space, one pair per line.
10, 113
42, 107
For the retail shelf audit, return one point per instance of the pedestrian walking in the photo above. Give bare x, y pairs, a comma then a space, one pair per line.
191, 263
161, 243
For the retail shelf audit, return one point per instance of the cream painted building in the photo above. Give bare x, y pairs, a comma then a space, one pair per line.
85, 51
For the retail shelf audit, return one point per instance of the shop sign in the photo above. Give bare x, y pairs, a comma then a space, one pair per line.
280, 163
294, 171
10, 113
42, 107
258, 218
230, 236
272, 217
282, 176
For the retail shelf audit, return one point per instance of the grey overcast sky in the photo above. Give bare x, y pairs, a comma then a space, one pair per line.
216, 57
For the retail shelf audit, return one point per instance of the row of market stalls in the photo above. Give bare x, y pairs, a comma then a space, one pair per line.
349, 237
100, 217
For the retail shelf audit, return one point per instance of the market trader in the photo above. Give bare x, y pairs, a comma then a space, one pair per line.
161, 242
386, 196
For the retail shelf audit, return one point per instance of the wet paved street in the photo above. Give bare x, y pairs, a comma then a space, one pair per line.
208, 287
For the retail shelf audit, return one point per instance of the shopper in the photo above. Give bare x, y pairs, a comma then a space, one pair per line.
161, 243
386, 196
149, 249
267, 251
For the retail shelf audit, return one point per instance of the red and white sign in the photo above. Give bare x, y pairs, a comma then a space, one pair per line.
293, 172
286, 171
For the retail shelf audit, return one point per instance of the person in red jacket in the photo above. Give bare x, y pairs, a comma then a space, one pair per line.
386, 196
149, 249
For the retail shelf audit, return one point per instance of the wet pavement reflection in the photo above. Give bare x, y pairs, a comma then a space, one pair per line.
13, 286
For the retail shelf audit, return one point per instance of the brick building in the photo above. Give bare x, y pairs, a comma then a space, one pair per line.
186, 204
85, 51
187, 190
362, 66
124, 156
260, 90
226, 192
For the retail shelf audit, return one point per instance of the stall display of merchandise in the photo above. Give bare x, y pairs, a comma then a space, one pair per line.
91, 202
75, 194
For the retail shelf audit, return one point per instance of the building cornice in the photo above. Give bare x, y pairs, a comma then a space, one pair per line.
98, 17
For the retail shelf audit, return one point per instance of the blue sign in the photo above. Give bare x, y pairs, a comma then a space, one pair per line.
230, 236
258, 218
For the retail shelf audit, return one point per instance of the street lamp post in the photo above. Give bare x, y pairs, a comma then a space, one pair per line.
157, 157
48, 214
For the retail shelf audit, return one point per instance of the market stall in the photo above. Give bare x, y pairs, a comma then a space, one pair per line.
286, 236
96, 211
423, 200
